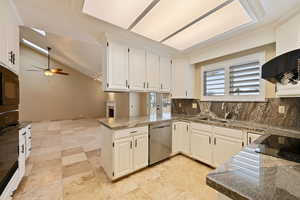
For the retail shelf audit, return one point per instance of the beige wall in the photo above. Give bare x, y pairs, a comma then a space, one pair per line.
57, 97
270, 53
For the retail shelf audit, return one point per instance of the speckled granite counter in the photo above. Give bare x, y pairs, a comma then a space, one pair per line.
254, 176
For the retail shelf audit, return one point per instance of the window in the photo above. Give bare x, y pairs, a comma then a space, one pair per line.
245, 79
214, 82
234, 80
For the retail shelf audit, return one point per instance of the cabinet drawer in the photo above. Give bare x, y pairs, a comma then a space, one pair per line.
130, 132
228, 132
201, 127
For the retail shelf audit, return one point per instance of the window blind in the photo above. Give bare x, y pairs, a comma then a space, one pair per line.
245, 79
214, 84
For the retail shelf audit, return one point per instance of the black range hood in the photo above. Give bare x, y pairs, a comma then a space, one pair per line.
285, 66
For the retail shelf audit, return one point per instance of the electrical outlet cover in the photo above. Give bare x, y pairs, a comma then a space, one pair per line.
281, 109
194, 105
179, 105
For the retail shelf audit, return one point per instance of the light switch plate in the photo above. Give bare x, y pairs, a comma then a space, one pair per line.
281, 109
179, 105
194, 105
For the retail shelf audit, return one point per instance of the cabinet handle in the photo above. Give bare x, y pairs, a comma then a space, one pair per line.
250, 140
147, 84
186, 94
126, 83
10, 56
243, 144
135, 143
130, 144
133, 131
161, 86
23, 148
209, 140
215, 141
187, 128
144, 84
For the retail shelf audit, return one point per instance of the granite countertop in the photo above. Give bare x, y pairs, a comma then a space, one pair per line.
131, 122
254, 176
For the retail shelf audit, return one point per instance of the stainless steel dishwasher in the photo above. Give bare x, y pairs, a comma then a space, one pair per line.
160, 141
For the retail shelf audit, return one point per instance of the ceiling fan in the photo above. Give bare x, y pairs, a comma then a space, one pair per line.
49, 71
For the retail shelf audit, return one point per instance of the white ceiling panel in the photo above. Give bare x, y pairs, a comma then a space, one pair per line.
167, 17
228, 18
118, 12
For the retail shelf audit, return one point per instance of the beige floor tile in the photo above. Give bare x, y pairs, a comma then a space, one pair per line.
72, 151
76, 168
75, 158
65, 164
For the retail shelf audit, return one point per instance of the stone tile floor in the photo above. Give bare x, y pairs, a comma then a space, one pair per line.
65, 165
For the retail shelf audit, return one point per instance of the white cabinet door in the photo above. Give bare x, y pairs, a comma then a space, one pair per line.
201, 147
165, 74
152, 63
185, 137
224, 148
137, 69
140, 155
252, 137
182, 79
181, 138
176, 139
117, 66
3, 40
123, 157
22, 152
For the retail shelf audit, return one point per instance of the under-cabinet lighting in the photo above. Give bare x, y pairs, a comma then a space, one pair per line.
223, 20
41, 32
34, 46
167, 17
118, 12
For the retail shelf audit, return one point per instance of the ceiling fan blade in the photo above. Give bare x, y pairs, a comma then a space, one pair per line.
56, 70
39, 67
33, 70
62, 73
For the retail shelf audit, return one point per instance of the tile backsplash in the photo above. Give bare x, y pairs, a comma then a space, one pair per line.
258, 112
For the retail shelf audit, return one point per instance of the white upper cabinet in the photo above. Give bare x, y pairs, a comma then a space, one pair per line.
182, 79
9, 37
165, 74
153, 74
117, 67
137, 69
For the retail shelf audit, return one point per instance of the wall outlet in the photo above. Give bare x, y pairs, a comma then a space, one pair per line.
194, 106
281, 109
179, 105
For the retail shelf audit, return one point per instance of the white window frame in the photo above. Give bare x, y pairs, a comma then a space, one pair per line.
257, 57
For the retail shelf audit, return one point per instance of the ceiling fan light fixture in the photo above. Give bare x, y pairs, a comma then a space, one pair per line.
48, 73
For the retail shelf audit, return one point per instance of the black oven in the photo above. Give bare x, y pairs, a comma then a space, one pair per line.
9, 120
9, 90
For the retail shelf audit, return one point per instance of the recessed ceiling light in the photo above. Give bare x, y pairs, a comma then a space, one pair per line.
223, 20
34, 46
41, 32
118, 12
167, 17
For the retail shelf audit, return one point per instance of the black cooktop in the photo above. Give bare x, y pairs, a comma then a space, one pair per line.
281, 147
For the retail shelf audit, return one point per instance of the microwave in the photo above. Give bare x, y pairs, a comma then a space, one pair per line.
9, 90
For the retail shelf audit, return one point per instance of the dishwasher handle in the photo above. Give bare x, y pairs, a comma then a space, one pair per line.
159, 127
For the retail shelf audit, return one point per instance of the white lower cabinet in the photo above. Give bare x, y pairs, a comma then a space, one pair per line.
201, 146
215, 145
224, 148
123, 158
181, 138
124, 151
140, 151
